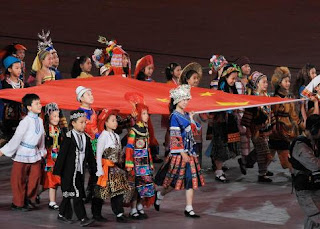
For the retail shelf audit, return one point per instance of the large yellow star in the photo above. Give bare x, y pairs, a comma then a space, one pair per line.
164, 100
207, 93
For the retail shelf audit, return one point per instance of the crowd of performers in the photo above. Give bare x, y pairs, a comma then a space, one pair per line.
47, 152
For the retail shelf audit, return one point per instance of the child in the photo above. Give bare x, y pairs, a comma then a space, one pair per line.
81, 67
55, 64
12, 110
53, 141
139, 164
85, 97
191, 74
26, 148
287, 120
120, 63
181, 169
144, 69
259, 122
226, 136
245, 70
173, 73
75, 153
41, 65
112, 182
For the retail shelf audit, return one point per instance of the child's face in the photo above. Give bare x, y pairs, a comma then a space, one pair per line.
80, 124
177, 72
285, 83
312, 73
246, 69
125, 60
112, 122
144, 116
149, 70
35, 107
55, 60
183, 104
86, 66
47, 62
15, 69
87, 98
263, 84
21, 54
231, 80
54, 118
194, 80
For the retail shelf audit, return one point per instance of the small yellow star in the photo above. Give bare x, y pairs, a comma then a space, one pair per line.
164, 100
207, 93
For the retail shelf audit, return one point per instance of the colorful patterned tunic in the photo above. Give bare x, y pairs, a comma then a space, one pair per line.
138, 158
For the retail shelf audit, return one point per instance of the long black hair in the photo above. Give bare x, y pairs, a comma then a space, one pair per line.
303, 78
172, 107
170, 70
76, 70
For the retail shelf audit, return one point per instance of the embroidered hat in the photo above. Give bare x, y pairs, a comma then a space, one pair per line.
10, 60
104, 115
230, 68
255, 77
279, 74
216, 63
142, 63
80, 91
180, 93
50, 107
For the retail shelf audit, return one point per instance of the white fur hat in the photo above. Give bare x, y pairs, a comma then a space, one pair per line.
80, 91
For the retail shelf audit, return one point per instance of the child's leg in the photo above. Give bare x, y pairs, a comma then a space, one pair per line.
34, 180
78, 207
18, 182
284, 159
65, 208
117, 205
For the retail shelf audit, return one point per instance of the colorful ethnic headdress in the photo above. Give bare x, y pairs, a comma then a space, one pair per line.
77, 114
180, 93
51, 107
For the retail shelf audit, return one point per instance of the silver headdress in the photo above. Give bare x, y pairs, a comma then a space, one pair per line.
45, 41
180, 93
77, 115
50, 107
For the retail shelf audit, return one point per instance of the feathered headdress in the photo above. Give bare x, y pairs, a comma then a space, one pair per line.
45, 41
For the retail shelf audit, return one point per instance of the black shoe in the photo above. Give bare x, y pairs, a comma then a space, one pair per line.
269, 174
242, 167
86, 222
16, 208
135, 216
53, 207
64, 219
156, 159
143, 215
264, 179
31, 206
187, 214
38, 199
99, 218
222, 178
122, 219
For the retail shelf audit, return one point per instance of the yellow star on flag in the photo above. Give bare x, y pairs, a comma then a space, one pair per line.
164, 100
207, 93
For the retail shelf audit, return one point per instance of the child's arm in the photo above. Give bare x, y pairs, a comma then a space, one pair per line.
100, 148
11, 147
41, 146
91, 161
129, 150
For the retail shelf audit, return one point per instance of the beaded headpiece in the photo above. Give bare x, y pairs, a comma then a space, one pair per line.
180, 93
77, 115
45, 41
51, 107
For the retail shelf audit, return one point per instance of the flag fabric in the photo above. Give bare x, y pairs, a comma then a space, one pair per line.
111, 92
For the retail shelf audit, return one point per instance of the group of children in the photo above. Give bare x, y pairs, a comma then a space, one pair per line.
52, 154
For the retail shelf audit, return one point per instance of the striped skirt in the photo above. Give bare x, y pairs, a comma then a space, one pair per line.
180, 175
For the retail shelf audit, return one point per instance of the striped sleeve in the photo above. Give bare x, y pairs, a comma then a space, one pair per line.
130, 149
